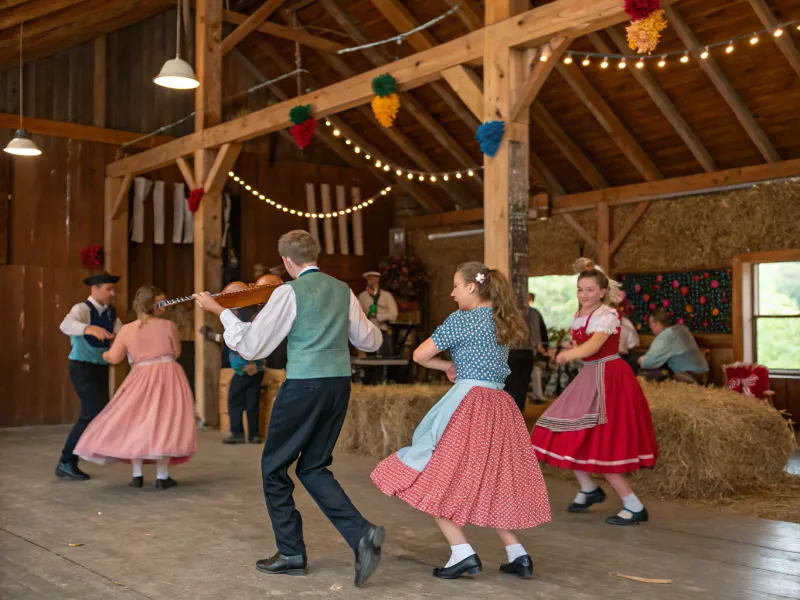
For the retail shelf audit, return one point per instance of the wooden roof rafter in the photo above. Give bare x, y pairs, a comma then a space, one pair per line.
784, 42
282, 31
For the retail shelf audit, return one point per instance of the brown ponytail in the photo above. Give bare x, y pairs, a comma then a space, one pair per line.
495, 287
144, 302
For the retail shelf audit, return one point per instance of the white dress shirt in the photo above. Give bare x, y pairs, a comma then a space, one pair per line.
257, 339
387, 307
80, 317
628, 338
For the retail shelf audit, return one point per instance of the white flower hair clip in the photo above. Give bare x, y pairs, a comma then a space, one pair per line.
480, 277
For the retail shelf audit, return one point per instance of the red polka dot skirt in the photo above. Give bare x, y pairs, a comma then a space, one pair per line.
483, 470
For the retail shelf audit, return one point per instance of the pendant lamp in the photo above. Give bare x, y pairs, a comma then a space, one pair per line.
176, 72
21, 144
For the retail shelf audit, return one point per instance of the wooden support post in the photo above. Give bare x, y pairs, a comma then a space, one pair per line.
208, 218
115, 246
187, 172
629, 225
506, 184
100, 82
604, 237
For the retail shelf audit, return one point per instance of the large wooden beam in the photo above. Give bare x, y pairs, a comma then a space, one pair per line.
470, 13
32, 9
467, 86
261, 14
539, 72
286, 33
531, 28
619, 238
115, 250
659, 98
724, 87
580, 230
120, 206
545, 177
784, 42
604, 237
100, 82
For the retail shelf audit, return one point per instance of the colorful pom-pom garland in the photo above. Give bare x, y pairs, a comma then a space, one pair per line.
386, 104
647, 23
641, 9
489, 136
303, 126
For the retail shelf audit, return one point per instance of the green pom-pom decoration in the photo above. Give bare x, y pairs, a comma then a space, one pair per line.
300, 114
383, 85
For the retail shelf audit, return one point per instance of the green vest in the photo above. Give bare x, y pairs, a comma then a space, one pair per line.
317, 345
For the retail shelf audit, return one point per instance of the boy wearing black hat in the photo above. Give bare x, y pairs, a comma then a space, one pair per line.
91, 325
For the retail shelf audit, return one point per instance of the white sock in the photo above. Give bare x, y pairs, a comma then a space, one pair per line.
137, 467
587, 484
632, 503
162, 468
514, 551
459, 553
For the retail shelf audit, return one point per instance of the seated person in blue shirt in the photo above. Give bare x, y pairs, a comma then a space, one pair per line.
673, 353
244, 393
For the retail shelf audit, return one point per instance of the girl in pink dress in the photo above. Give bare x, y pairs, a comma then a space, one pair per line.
601, 422
151, 417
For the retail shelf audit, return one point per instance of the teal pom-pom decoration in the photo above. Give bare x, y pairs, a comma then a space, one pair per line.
384, 85
300, 114
489, 136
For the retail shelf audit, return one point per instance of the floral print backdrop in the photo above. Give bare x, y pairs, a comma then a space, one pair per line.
701, 300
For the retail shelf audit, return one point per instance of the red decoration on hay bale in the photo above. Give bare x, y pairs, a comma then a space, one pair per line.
303, 132
194, 199
641, 9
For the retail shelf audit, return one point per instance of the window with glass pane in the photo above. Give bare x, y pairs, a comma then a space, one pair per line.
556, 299
777, 315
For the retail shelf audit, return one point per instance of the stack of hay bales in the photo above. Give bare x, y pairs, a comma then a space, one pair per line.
270, 384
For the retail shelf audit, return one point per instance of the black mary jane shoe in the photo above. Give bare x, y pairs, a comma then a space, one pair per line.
634, 519
165, 484
71, 471
368, 553
282, 565
469, 566
594, 497
522, 566
136, 482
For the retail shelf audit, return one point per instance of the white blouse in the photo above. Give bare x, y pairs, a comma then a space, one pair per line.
628, 338
604, 320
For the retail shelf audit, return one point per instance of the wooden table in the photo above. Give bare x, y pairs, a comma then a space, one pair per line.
384, 363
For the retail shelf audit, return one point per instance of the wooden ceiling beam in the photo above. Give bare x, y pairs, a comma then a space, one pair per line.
661, 100
467, 86
724, 87
32, 9
287, 33
261, 14
528, 29
539, 72
544, 176
784, 42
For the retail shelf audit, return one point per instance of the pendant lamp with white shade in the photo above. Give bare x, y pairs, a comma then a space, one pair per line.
21, 144
176, 72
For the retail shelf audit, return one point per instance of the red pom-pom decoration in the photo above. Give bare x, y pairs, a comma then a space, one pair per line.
641, 9
92, 256
303, 132
194, 199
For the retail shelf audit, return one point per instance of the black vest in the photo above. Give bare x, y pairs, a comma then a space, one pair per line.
106, 321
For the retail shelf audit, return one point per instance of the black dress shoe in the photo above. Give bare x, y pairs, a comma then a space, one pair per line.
469, 566
70, 471
282, 565
165, 484
634, 519
136, 482
254, 439
234, 439
522, 566
368, 553
595, 497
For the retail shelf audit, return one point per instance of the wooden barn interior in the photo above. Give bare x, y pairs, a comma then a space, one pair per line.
681, 162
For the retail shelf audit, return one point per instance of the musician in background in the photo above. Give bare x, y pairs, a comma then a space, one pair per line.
317, 315
380, 308
90, 325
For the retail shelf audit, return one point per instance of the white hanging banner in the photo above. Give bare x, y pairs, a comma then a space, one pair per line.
327, 207
141, 189
311, 207
344, 241
178, 203
358, 224
158, 212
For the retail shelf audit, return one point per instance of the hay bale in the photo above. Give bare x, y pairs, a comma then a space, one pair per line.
270, 385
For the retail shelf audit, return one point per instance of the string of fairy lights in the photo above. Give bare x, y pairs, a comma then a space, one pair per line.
411, 174
309, 215
663, 59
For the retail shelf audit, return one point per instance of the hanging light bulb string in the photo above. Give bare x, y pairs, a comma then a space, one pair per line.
431, 177
728, 43
309, 215
224, 101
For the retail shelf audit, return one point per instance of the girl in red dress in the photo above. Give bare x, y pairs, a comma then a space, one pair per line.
601, 423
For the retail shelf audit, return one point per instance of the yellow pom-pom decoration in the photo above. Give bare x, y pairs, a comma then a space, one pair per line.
386, 109
644, 35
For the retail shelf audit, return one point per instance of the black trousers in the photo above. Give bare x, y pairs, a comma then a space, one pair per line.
244, 394
521, 364
306, 419
91, 384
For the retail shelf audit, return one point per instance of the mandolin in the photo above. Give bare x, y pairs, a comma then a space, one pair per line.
237, 294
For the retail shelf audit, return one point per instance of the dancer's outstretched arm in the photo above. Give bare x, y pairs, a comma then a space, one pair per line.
425, 355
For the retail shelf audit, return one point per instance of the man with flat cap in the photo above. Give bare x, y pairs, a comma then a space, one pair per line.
90, 325
380, 308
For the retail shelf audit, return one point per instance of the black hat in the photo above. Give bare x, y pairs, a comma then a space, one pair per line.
100, 279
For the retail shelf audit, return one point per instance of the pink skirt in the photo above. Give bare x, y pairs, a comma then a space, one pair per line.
151, 417
483, 470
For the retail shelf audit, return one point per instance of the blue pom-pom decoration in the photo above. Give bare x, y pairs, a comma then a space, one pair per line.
489, 136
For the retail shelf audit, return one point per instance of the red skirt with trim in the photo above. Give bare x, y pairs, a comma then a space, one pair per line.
625, 443
483, 470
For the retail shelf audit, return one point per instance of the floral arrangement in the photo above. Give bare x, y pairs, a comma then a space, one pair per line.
92, 256
647, 23
303, 125
194, 199
386, 104
403, 276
